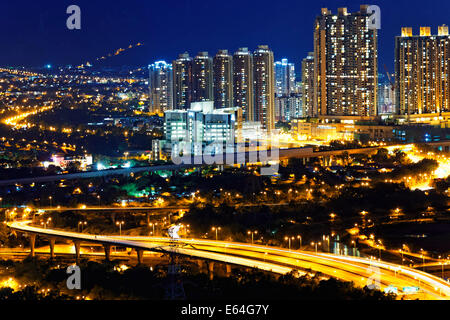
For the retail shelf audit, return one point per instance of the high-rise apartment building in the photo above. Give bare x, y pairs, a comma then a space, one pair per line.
422, 66
223, 80
346, 67
308, 86
243, 83
284, 78
182, 82
264, 87
202, 78
160, 86
288, 107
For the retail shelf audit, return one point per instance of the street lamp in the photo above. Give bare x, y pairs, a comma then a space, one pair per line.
252, 233
153, 225
315, 244
51, 203
119, 224
354, 247
443, 269
401, 252
47, 222
216, 229
379, 249
82, 224
423, 260
442, 264
300, 240
289, 241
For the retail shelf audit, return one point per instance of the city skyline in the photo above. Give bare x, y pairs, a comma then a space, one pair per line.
194, 152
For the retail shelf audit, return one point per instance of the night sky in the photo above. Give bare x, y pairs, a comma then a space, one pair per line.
34, 33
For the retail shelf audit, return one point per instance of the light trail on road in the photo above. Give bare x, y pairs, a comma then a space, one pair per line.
360, 271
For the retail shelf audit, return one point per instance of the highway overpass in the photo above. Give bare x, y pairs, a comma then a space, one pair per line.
278, 260
190, 162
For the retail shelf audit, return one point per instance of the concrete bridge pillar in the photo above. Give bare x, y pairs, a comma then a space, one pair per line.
210, 269
52, 248
107, 248
140, 256
200, 266
228, 268
32, 245
77, 246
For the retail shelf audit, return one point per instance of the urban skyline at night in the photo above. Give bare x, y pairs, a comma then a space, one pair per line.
224, 160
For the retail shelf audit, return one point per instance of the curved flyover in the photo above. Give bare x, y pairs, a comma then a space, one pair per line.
278, 260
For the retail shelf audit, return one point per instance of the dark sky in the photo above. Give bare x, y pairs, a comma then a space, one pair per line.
34, 33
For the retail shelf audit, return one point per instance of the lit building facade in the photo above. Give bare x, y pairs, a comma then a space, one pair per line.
160, 86
243, 82
422, 65
284, 78
289, 107
308, 86
346, 67
202, 78
182, 82
223, 80
200, 125
264, 87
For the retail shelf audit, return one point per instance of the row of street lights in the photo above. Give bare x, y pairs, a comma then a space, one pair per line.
289, 239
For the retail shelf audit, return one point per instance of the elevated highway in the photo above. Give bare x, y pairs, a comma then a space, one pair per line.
278, 260
191, 162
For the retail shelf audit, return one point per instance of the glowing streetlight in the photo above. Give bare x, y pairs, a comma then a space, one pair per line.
289, 241
81, 224
216, 229
252, 233
299, 237
119, 224
315, 245
423, 259
47, 222
153, 225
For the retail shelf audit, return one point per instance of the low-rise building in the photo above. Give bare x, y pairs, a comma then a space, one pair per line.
201, 125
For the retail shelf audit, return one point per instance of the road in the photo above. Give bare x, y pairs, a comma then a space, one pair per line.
111, 208
91, 174
278, 260
189, 162
117, 208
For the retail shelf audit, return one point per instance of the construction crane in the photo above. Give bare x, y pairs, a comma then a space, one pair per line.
393, 84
